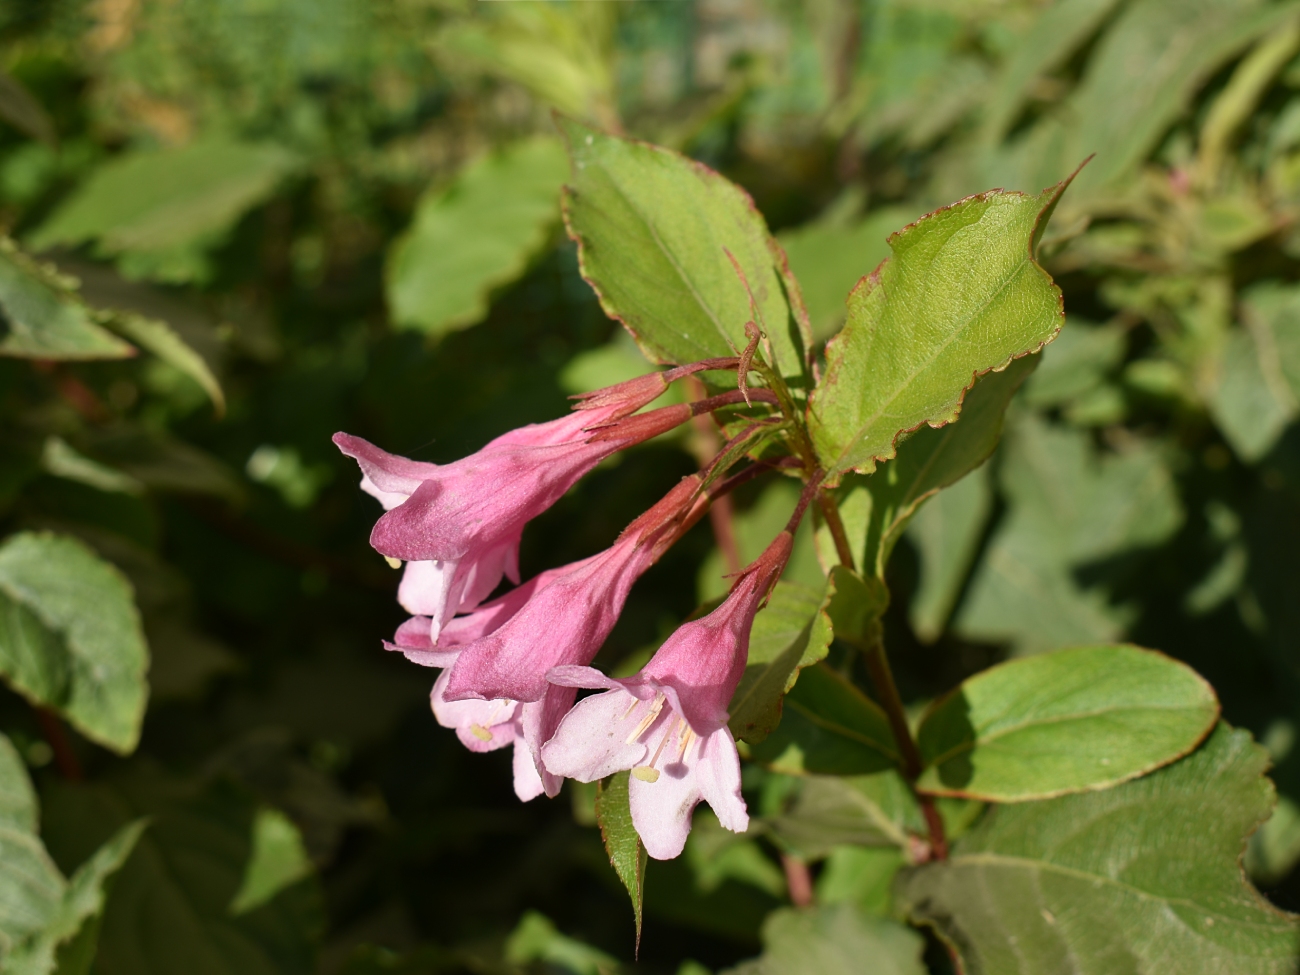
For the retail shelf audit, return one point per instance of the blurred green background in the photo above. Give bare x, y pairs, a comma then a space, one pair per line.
347, 211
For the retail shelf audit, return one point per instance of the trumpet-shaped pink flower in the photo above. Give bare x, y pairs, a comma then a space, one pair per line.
567, 617
668, 724
458, 524
451, 511
505, 698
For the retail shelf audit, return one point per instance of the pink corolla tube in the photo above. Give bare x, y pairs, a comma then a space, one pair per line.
668, 724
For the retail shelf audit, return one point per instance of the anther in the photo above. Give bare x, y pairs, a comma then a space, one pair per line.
479, 732
646, 774
392, 562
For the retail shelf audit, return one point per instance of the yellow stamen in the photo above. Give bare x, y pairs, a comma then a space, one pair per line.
646, 774
688, 736
479, 732
392, 562
648, 720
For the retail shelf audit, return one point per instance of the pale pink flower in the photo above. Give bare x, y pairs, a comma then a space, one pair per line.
567, 617
668, 724
458, 525
485, 726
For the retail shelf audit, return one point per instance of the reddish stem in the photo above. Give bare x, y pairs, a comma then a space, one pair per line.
798, 880
64, 757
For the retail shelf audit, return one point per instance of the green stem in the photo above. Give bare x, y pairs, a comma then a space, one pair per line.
883, 677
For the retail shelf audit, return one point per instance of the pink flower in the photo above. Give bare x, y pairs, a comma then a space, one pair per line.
485, 726
458, 525
567, 617
668, 724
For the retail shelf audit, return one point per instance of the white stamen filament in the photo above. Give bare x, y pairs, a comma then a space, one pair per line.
648, 720
648, 773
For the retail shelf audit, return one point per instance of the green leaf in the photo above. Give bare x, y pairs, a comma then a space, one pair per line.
834, 939
475, 235
161, 339
1044, 726
860, 875
626, 854
60, 459
71, 637
654, 229
830, 256
170, 909
1069, 506
859, 810
946, 533
715, 855
278, 860
31, 886
933, 459
68, 942
1145, 877
42, 316
150, 201
43, 916
1075, 364
790, 633
962, 295
828, 727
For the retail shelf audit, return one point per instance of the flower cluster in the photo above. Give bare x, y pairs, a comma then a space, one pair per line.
512, 666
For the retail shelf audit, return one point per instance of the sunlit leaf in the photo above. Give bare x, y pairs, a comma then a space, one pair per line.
962, 295
475, 235
1062, 722
654, 230
156, 199
1146, 875
829, 727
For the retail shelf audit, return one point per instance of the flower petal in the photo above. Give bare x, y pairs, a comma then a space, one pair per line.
717, 774
591, 741
661, 810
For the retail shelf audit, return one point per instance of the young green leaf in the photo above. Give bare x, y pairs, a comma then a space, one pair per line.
790, 633
1146, 876
626, 854
42, 316
828, 727
962, 295
473, 236
70, 636
654, 231
1062, 722
834, 939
